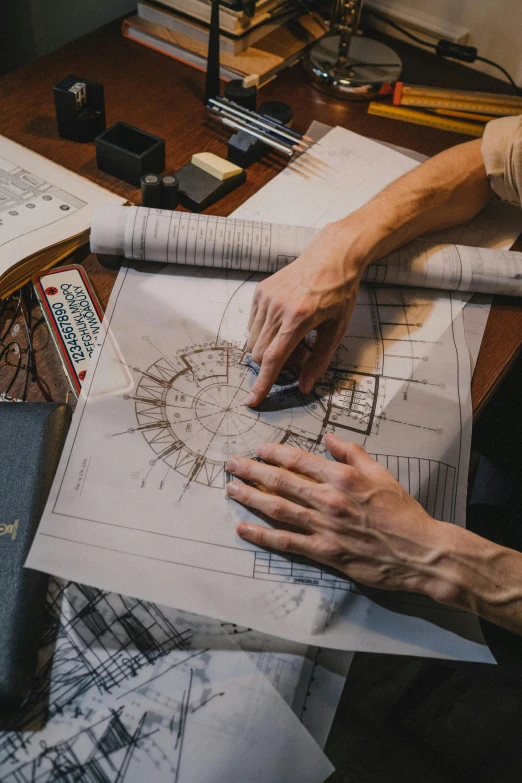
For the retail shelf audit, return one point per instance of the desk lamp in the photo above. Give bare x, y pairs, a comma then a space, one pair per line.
346, 64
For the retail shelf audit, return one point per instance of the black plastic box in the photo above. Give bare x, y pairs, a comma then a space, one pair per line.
80, 108
127, 152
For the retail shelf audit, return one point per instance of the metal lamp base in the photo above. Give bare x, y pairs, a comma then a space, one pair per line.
368, 66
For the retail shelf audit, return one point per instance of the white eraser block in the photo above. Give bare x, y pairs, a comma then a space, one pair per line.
216, 166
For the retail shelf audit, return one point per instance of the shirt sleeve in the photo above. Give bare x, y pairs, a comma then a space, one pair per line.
502, 154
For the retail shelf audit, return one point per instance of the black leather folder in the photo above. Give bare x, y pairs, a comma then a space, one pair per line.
31, 440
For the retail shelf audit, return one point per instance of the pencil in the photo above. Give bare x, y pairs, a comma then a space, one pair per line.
259, 132
261, 120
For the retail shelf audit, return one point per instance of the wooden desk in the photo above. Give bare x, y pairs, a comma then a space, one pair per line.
164, 97
457, 730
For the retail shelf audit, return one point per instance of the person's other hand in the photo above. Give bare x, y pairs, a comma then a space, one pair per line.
354, 517
316, 291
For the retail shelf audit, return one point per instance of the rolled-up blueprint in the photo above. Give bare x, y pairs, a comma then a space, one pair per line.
144, 234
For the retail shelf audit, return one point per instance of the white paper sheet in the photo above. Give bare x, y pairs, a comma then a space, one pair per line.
145, 234
41, 203
138, 504
140, 692
310, 679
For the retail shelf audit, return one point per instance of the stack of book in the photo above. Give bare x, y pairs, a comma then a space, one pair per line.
274, 38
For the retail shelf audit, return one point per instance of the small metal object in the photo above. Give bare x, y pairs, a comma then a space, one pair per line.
169, 192
151, 190
346, 64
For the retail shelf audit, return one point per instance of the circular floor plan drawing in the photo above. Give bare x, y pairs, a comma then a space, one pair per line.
192, 411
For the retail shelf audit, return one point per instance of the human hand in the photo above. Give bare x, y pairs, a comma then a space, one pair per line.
354, 517
316, 291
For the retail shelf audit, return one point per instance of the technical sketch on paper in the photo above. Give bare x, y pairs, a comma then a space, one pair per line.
144, 470
190, 407
31, 201
121, 685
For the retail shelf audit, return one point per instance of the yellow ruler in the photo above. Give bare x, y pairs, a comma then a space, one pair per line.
422, 118
456, 100
479, 107
456, 95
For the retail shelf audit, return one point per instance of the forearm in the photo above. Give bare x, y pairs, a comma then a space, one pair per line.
476, 575
446, 190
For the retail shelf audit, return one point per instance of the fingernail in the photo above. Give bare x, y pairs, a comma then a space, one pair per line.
232, 465
250, 399
232, 488
308, 386
243, 530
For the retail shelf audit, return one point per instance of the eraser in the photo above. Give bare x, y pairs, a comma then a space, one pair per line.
215, 166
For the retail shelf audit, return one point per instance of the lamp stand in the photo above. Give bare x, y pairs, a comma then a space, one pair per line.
345, 63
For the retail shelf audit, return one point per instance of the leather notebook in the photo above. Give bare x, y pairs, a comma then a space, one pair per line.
31, 440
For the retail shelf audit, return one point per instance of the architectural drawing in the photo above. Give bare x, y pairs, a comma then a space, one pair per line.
164, 414
126, 691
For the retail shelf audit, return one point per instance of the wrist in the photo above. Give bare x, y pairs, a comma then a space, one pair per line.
356, 243
366, 235
476, 575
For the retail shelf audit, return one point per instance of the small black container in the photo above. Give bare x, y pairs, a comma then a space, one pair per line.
244, 96
128, 152
80, 108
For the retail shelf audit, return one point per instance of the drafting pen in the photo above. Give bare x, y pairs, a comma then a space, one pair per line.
271, 133
248, 128
261, 136
252, 117
261, 120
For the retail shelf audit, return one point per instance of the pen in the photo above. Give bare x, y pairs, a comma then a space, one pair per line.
271, 134
261, 136
258, 119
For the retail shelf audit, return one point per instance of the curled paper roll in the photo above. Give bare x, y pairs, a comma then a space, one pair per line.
146, 234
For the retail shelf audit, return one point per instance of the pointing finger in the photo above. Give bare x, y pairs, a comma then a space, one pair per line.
274, 358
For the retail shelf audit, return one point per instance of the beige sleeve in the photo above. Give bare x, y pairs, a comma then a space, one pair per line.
502, 153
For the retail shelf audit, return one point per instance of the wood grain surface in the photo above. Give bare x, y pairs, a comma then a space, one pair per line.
164, 97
